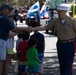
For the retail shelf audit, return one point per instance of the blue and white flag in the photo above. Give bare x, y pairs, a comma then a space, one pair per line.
33, 9
44, 11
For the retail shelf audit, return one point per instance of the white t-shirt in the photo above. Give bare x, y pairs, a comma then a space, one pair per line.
10, 42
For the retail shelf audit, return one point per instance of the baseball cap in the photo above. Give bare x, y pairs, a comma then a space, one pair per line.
6, 6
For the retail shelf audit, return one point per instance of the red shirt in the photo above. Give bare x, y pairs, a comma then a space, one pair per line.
22, 48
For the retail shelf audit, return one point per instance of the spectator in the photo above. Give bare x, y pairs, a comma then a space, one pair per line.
40, 45
19, 39
15, 17
19, 36
52, 8
7, 25
22, 49
53, 4
9, 50
58, 1
32, 57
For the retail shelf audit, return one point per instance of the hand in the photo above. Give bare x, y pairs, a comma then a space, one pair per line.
39, 61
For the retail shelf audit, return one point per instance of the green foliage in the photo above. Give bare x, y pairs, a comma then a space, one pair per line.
20, 2
23, 2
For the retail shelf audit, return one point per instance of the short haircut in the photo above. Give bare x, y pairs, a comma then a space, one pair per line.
25, 35
19, 35
32, 42
35, 24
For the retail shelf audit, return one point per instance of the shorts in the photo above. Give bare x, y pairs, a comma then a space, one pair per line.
10, 51
22, 65
2, 49
40, 56
33, 69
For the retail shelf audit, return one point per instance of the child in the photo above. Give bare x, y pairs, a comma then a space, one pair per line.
40, 45
19, 39
17, 54
9, 51
22, 49
32, 57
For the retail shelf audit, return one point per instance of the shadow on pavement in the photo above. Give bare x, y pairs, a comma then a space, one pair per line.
51, 66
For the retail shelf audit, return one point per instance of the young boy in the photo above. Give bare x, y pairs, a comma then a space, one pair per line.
40, 45
19, 36
19, 39
32, 57
22, 49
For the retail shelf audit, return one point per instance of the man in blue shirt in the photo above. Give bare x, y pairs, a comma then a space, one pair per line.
5, 26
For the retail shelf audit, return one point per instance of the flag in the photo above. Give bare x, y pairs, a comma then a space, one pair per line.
44, 11
33, 9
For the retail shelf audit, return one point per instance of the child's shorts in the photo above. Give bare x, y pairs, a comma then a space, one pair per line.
10, 51
22, 65
33, 69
